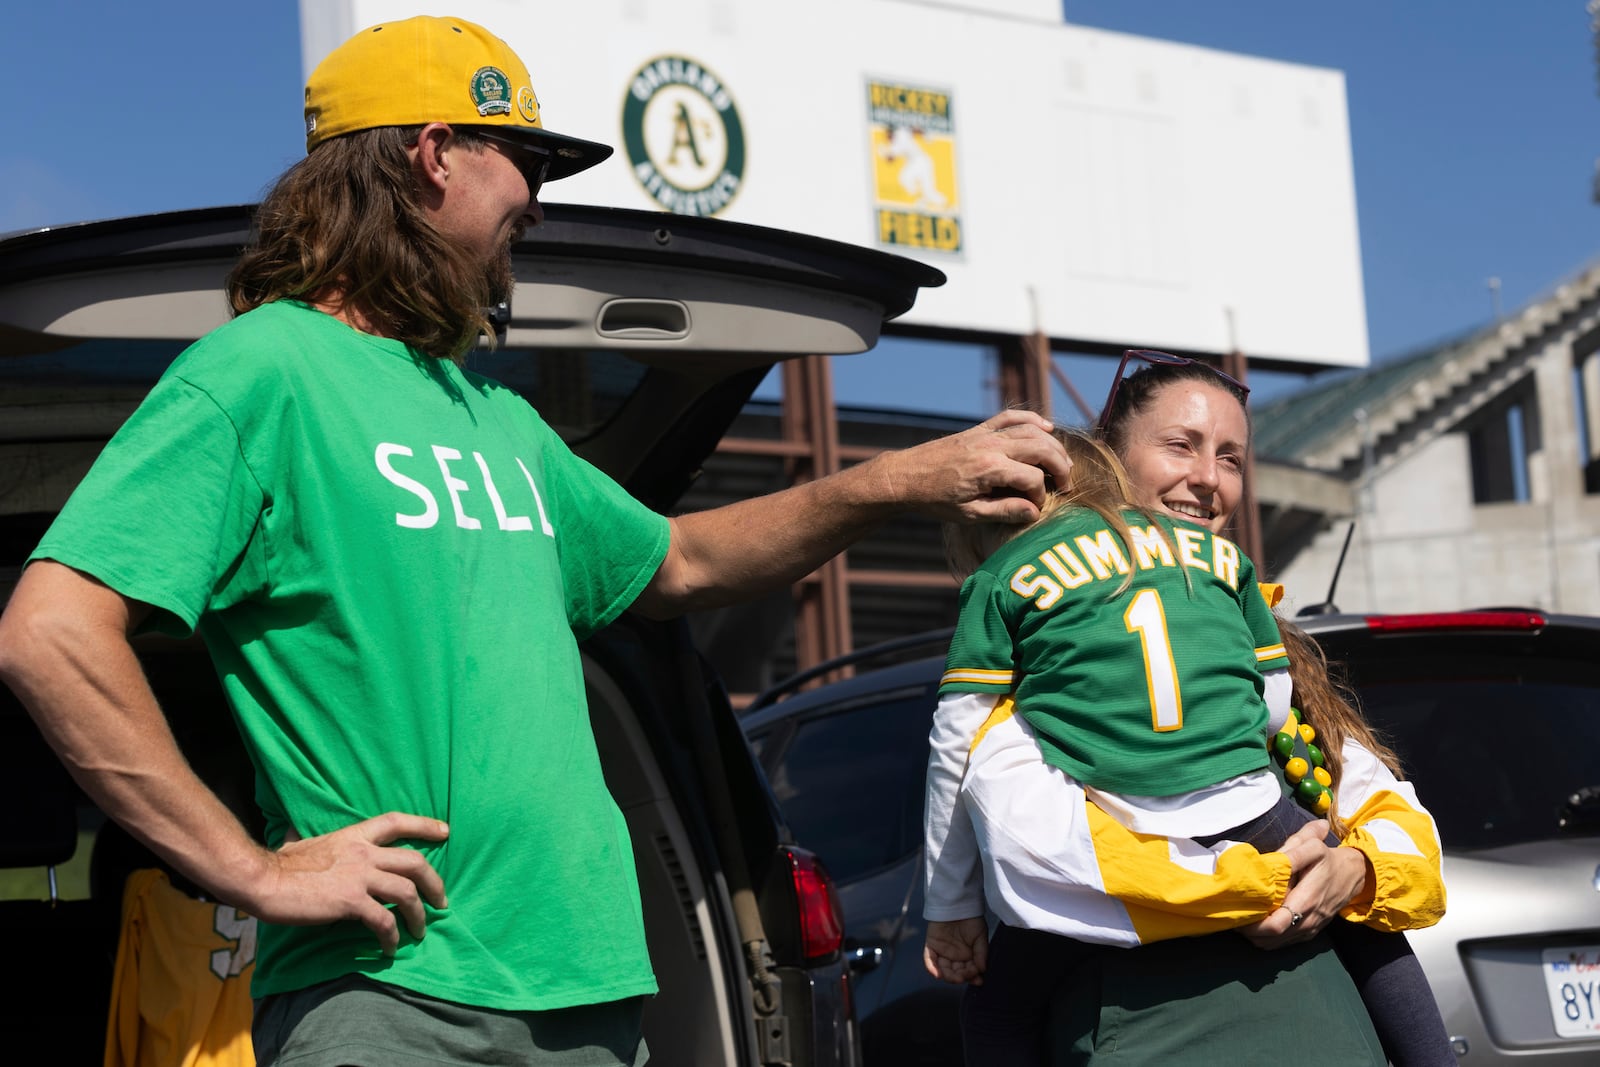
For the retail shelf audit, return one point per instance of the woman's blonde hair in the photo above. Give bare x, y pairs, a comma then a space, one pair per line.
1098, 481
347, 222
1331, 710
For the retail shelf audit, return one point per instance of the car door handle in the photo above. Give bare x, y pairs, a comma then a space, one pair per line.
861, 958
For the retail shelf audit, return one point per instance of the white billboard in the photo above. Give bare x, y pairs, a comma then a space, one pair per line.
1101, 187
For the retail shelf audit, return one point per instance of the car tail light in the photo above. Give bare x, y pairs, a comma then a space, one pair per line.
1459, 620
821, 915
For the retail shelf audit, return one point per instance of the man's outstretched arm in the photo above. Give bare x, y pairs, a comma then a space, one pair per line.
994, 472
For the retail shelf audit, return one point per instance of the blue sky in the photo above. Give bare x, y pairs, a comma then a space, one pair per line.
1473, 125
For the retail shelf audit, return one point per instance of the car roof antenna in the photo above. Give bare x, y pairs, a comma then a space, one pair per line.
1327, 607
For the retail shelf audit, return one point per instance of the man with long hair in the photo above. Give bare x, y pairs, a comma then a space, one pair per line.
448, 877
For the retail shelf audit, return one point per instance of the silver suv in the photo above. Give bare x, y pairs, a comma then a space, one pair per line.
1494, 714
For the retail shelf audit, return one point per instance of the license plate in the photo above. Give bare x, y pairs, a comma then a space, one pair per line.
1572, 977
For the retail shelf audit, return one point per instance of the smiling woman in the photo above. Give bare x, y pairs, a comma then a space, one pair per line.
1101, 714
1184, 454
1182, 431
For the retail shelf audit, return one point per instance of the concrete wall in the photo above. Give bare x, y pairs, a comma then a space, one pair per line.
1422, 545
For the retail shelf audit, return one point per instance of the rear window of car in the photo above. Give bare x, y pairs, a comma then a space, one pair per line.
576, 390
1496, 744
851, 782
100, 362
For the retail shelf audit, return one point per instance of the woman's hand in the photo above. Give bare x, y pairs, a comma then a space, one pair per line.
957, 951
1324, 881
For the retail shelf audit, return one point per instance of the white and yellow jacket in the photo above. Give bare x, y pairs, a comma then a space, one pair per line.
1005, 828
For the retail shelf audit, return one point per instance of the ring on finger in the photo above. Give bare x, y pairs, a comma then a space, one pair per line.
1294, 918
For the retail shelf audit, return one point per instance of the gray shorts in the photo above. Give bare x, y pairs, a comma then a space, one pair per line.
356, 1022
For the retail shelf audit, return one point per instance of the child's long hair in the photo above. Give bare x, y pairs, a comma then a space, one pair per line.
1330, 709
1098, 481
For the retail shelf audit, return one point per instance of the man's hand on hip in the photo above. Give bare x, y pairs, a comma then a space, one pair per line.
354, 873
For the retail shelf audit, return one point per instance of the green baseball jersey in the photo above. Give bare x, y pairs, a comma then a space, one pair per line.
1153, 691
391, 561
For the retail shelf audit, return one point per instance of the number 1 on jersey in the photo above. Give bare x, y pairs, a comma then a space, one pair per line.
1145, 618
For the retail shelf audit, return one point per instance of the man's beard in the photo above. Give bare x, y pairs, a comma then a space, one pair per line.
498, 276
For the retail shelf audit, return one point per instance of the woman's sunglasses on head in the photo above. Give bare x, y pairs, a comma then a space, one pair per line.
1160, 359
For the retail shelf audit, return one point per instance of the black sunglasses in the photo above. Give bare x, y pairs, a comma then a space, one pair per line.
1160, 359
534, 163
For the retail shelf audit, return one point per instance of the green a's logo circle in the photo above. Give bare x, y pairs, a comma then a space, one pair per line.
683, 136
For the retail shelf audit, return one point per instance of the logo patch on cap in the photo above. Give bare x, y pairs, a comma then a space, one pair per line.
528, 104
491, 91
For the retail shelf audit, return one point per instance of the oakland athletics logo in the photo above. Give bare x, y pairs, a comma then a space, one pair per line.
683, 136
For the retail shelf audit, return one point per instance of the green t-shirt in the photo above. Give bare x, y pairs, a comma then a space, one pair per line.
391, 561
1153, 691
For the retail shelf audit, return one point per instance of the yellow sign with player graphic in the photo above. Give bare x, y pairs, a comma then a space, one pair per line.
916, 198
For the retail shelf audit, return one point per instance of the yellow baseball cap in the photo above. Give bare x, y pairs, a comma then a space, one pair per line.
427, 69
